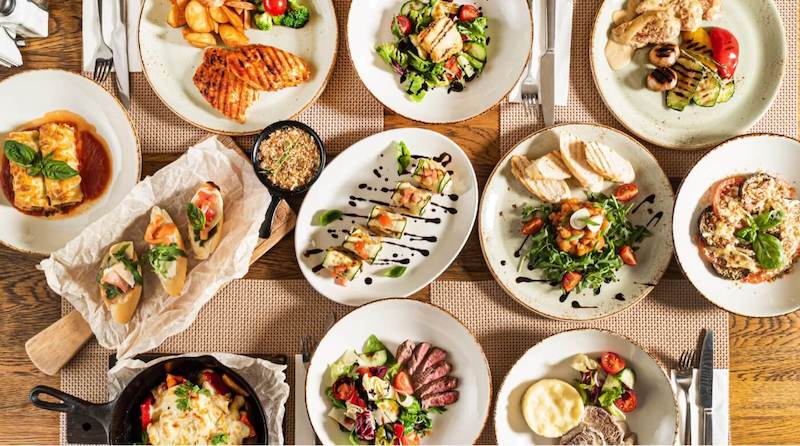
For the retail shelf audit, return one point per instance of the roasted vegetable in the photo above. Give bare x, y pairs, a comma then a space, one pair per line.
690, 73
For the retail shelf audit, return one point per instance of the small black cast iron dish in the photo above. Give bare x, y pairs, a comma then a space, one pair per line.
121, 418
277, 193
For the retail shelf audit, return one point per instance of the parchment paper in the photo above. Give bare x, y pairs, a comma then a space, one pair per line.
266, 378
71, 271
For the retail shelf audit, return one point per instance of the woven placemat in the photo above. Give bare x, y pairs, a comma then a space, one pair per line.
247, 316
665, 323
586, 105
344, 114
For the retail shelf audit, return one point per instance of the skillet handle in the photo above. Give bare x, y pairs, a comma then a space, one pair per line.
70, 404
269, 216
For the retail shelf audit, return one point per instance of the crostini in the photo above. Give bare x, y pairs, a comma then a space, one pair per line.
120, 281
167, 255
205, 216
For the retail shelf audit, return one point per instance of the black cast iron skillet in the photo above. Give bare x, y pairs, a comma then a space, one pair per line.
276, 192
121, 418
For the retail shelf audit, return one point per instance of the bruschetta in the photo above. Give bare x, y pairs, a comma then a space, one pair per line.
205, 216
120, 281
167, 255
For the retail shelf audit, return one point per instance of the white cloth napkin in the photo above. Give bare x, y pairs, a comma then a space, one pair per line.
267, 379
563, 48
303, 433
9, 53
720, 406
91, 31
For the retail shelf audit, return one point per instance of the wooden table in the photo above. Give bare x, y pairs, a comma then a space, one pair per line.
764, 353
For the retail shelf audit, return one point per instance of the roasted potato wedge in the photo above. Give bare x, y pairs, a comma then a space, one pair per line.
197, 17
232, 36
212, 3
235, 19
176, 17
245, 6
199, 40
217, 15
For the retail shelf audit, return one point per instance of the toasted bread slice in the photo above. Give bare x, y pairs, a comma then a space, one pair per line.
549, 167
547, 190
573, 152
162, 232
121, 306
608, 163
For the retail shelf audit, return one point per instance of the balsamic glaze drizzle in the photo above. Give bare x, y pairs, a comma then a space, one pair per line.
576, 304
655, 218
518, 252
649, 199
424, 252
311, 252
619, 296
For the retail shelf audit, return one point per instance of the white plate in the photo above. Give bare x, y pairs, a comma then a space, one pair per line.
773, 154
169, 63
358, 165
500, 223
758, 27
393, 321
34, 93
510, 31
655, 420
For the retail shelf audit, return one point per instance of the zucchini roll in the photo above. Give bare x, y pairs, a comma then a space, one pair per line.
361, 243
343, 267
431, 175
386, 223
409, 197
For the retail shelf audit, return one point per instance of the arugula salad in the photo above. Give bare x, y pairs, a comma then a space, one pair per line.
437, 43
606, 383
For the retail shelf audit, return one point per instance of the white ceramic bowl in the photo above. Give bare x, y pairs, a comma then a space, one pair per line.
501, 220
510, 31
371, 162
655, 420
758, 27
773, 154
37, 92
393, 321
169, 63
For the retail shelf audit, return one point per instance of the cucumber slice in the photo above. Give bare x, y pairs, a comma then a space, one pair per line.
476, 64
615, 412
708, 90
611, 383
476, 50
627, 377
465, 65
726, 92
690, 73
376, 359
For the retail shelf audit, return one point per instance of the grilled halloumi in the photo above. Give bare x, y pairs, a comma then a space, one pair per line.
221, 88
650, 27
547, 190
608, 163
440, 40
444, 8
573, 152
267, 68
548, 167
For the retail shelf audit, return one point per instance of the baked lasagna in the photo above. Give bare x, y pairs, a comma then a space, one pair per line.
29, 190
59, 142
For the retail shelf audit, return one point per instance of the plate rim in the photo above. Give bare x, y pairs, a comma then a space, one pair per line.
126, 114
433, 306
413, 118
503, 161
608, 332
476, 214
305, 107
674, 212
690, 146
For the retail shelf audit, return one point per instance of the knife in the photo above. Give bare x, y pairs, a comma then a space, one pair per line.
706, 386
547, 66
119, 46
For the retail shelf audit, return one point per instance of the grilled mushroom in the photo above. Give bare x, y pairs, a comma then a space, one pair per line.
664, 54
662, 79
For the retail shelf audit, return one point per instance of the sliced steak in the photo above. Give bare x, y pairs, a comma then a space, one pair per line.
420, 351
600, 420
431, 374
404, 352
435, 355
440, 399
438, 386
582, 434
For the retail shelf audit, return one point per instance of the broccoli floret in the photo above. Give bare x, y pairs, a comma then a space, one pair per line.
263, 21
296, 16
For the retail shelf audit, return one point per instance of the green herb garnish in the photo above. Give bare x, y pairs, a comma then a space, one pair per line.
159, 256
329, 217
196, 217
220, 439
767, 247
284, 156
403, 158
26, 157
395, 272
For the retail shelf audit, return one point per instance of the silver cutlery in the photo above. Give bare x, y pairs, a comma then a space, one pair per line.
684, 376
119, 45
547, 77
530, 86
103, 56
706, 385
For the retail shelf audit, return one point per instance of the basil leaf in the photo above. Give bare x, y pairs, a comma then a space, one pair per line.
329, 217
403, 158
58, 170
35, 170
747, 234
196, 217
768, 249
770, 219
20, 153
220, 439
395, 272
159, 255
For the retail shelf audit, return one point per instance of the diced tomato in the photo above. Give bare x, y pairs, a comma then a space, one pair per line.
356, 400
340, 280
216, 382
146, 408
343, 389
726, 51
627, 255
626, 192
412, 439
570, 281
452, 70
719, 189
468, 13
275, 7
403, 24
532, 226
627, 402
246, 420
402, 383
399, 434
360, 249
759, 277
174, 380
363, 371
384, 220
612, 363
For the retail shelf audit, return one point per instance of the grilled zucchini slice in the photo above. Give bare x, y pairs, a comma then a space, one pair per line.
690, 73
384, 222
700, 52
408, 197
708, 91
340, 264
431, 175
726, 91
363, 245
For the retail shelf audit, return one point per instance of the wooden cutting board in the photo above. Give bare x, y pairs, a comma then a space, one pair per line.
50, 349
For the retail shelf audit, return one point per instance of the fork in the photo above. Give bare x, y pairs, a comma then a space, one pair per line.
104, 57
684, 377
530, 92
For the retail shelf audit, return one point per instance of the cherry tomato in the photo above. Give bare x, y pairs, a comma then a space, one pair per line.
402, 383
627, 402
275, 7
452, 70
363, 371
726, 51
626, 192
343, 389
627, 255
468, 13
612, 363
355, 399
570, 281
146, 416
532, 226
719, 189
402, 24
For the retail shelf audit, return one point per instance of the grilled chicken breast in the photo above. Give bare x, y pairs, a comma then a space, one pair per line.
711, 8
440, 40
221, 88
689, 12
267, 68
648, 28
